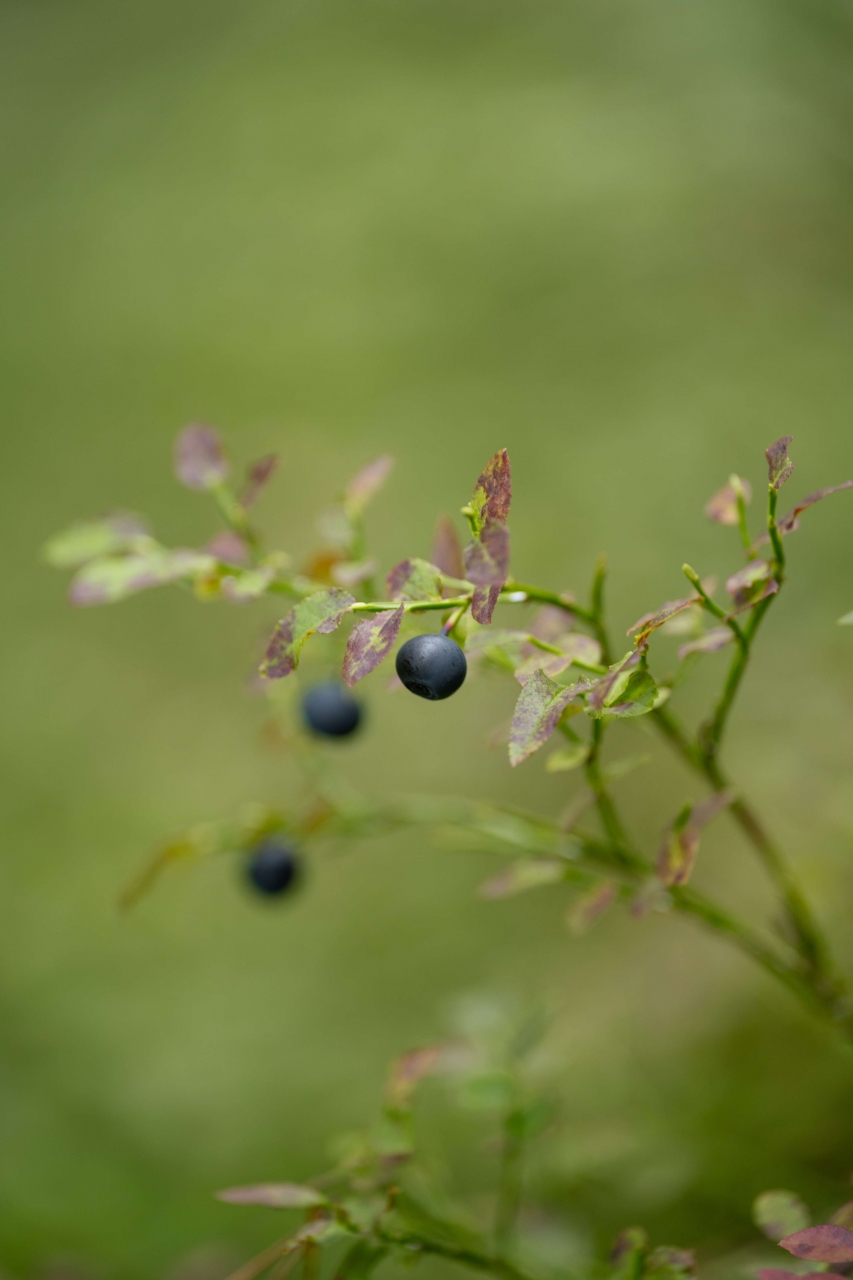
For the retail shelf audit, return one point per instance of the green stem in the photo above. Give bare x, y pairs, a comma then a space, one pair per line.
466, 1257
509, 1190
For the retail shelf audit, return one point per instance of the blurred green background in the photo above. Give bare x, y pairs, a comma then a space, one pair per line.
612, 236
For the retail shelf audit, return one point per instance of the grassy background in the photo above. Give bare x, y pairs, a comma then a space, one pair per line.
614, 237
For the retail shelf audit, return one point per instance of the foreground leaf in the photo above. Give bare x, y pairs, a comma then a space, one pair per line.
199, 460
321, 612
274, 1195
826, 1243
779, 1214
91, 539
487, 557
779, 465
369, 642
483, 604
540, 704
492, 494
638, 697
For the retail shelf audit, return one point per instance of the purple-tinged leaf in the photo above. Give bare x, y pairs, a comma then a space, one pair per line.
755, 571
493, 492
537, 713
414, 580
321, 612
367, 482
483, 603
90, 539
651, 896
723, 507
779, 1213
826, 1243
257, 478
446, 552
651, 621
591, 906
369, 642
527, 873
779, 465
229, 548
790, 522
487, 557
750, 596
710, 642
408, 1070
708, 809
351, 573
114, 578
550, 622
274, 1195
199, 460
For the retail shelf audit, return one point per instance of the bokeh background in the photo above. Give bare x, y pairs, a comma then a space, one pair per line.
613, 237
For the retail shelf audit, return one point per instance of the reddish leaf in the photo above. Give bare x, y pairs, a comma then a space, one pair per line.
677, 855
790, 522
710, 642
753, 595
493, 491
483, 604
780, 466
827, 1243
723, 507
274, 1195
446, 552
537, 712
258, 477
369, 642
199, 460
368, 481
651, 621
321, 612
755, 571
550, 622
487, 557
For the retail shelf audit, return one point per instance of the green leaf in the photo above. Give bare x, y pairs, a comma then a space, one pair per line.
576, 648
274, 1195
492, 494
251, 584
369, 642
779, 465
571, 756
361, 1260
414, 580
199, 460
540, 705
490, 1091
92, 539
321, 612
528, 873
494, 637
779, 1214
113, 578
755, 571
636, 698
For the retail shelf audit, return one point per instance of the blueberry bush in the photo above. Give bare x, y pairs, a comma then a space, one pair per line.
576, 686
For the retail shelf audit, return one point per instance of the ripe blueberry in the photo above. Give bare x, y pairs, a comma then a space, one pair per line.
329, 709
432, 666
273, 867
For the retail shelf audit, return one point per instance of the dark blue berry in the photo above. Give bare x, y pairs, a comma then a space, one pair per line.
331, 710
273, 867
432, 666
